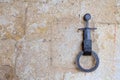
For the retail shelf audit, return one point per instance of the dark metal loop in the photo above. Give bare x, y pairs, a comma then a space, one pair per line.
91, 69
87, 17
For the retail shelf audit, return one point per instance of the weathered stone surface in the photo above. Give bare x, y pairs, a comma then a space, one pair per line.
7, 52
103, 11
106, 38
33, 60
68, 40
118, 2
66, 44
118, 15
38, 26
7, 73
39, 39
12, 17
6, 1
64, 54
117, 58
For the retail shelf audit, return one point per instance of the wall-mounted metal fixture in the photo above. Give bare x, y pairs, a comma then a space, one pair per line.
87, 46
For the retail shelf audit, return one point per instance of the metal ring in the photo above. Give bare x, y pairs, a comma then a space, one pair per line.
91, 69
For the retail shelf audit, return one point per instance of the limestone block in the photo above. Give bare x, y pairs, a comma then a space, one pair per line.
118, 2
6, 1
7, 52
33, 60
118, 15
106, 39
7, 73
57, 74
117, 58
103, 11
118, 41
38, 23
39, 39
12, 20
66, 45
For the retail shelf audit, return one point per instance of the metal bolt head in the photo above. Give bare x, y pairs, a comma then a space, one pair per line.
87, 17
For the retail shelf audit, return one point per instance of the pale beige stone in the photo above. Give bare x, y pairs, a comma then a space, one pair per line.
38, 26
118, 41
39, 39
12, 20
33, 60
118, 15
118, 2
105, 35
103, 11
7, 52
7, 73
66, 44
6, 1
117, 58
64, 55
106, 38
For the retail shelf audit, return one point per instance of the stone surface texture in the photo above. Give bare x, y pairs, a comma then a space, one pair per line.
39, 39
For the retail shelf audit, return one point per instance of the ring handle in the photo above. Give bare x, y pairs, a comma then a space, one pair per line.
91, 69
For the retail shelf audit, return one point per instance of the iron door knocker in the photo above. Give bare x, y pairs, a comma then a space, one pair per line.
87, 46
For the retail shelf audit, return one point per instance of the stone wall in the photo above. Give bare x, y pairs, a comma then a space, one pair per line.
39, 39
